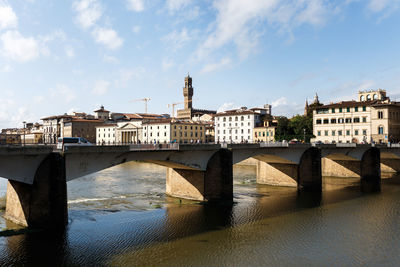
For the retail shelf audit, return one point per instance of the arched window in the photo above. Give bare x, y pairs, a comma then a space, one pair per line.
224, 118
362, 98
380, 130
230, 118
368, 97
375, 96
242, 118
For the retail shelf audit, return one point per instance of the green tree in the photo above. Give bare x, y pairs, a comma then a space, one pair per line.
297, 127
301, 126
282, 131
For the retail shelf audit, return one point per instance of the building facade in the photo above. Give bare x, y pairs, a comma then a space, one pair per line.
169, 130
237, 126
266, 131
372, 118
105, 134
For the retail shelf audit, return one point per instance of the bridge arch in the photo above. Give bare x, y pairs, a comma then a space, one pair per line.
299, 165
353, 161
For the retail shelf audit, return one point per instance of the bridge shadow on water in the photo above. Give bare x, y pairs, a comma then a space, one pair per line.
93, 237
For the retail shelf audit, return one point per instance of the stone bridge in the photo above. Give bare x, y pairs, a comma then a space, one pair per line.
38, 175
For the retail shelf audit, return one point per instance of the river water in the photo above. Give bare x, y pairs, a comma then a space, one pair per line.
121, 217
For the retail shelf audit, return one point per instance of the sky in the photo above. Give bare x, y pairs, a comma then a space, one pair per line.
62, 56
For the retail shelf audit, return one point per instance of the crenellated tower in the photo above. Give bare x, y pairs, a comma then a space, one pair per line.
188, 92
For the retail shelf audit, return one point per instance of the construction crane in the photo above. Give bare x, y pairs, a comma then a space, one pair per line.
173, 107
146, 99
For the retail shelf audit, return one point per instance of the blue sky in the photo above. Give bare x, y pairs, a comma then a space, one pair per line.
63, 56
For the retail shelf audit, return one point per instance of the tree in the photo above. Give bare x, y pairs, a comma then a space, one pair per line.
282, 131
297, 127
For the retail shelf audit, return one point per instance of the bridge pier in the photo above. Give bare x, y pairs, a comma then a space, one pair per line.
42, 204
371, 170
365, 164
306, 175
213, 184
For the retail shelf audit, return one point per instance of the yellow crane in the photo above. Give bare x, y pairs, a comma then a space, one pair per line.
146, 99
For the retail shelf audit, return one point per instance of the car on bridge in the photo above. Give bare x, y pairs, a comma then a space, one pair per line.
72, 141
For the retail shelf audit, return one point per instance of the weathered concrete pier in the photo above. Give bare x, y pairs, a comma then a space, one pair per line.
38, 176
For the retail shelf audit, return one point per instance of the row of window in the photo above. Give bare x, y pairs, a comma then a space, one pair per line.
340, 110
108, 135
175, 134
340, 132
259, 134
236, 118
340, 120
348, 132
230, 124
224, 138
105, 129
236, 131
179, 127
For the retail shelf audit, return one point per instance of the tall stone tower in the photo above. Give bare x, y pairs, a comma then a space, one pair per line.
188, 92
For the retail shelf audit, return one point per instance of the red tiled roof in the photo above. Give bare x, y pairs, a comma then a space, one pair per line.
235, 112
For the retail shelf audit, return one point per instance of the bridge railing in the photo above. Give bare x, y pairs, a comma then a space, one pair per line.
274, 144
173, 146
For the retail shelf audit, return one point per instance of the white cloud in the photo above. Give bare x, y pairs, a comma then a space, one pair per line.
136, 29
279, 102
283, 107
6, 68
17, 47
125, 75
240, 23
107, 37
110, 59
100, 87
186, 10
384, 7
223, 63
226, 106
38, 99
135, 5
69, 51
63, 92
8, 19
89, 12
167, 64
55, 35
176, 40
380, 5
175, 5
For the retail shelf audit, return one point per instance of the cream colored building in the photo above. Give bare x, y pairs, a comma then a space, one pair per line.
264, 133
372, 118
170, 130
105, 134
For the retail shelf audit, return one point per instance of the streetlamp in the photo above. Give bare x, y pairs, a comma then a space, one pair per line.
304, 135
24, 122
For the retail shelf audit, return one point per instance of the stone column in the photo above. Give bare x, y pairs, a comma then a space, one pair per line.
44, 203
371, 170
309, 172
214, 184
